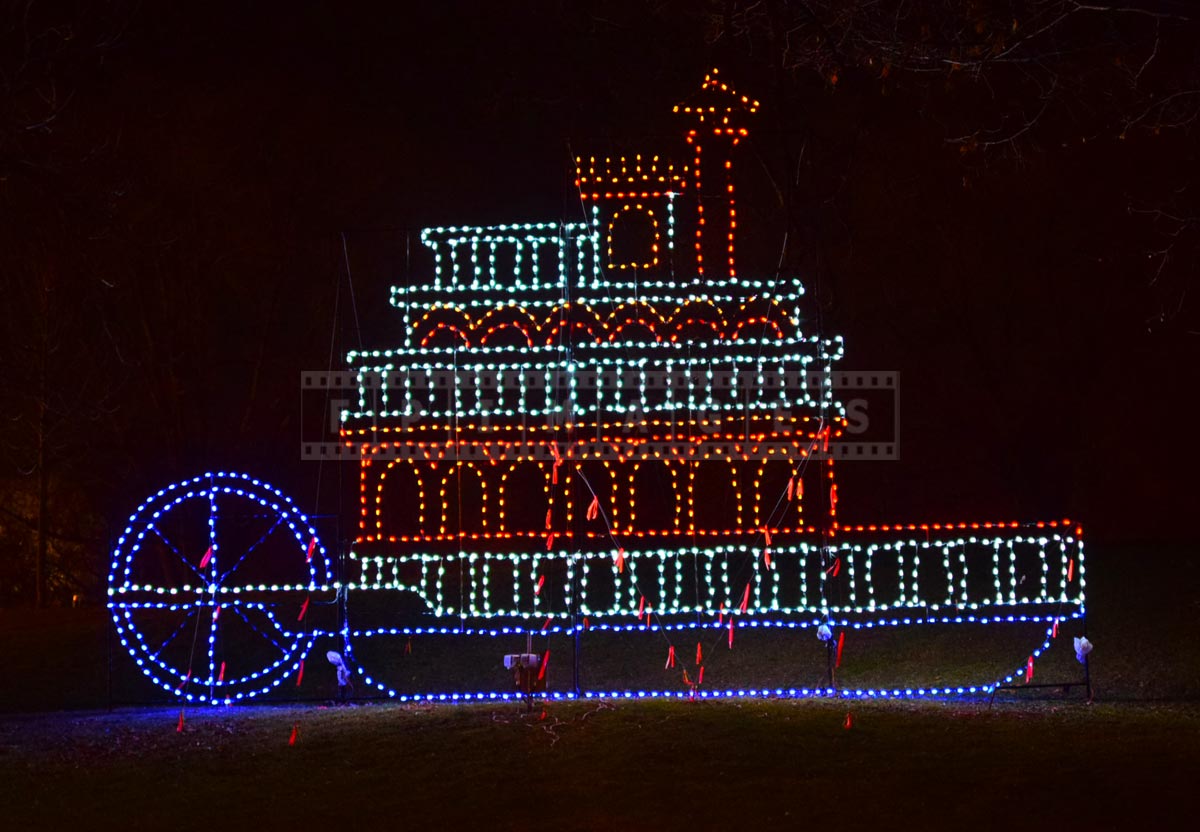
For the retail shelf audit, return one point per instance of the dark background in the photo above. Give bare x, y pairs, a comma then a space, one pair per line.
997, 200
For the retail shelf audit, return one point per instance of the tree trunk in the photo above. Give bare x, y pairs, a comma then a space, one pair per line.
43, 519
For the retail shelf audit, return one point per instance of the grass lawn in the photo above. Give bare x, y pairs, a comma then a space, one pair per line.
588, 765
1034, 761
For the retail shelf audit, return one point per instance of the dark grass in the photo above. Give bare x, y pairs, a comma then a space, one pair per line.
1036, 760
647, 765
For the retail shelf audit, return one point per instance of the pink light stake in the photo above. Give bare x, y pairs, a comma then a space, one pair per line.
1029, 670
208, 556
221, 675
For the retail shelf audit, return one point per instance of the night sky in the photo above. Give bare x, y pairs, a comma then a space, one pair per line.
1016, 235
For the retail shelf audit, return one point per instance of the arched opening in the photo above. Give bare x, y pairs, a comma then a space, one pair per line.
522, 500
654, 497
400, 501
463, 498
633, 238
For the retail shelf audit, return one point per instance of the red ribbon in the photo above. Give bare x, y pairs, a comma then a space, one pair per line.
1054, 629
295, 733
546, 626
745, 599
300, 675
586, 623
767, 536
1070, 569
221, 675
594, 509
791, 487
408, 647
699, 654
841, 643
303, 609
542, 669
216, 613
312, 544
833, 496
836, 568
549, 541
767, 557
849, 723
731, 632
537, 590
700, 676
620, 559
179, 727
1029, 670
207, 557
549, 518
670, 657
641, 607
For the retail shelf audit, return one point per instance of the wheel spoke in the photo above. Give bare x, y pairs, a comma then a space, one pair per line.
250, 624
173, 635
256, 544
173, 548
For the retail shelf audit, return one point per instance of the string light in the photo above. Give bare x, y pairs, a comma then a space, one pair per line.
685, 396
